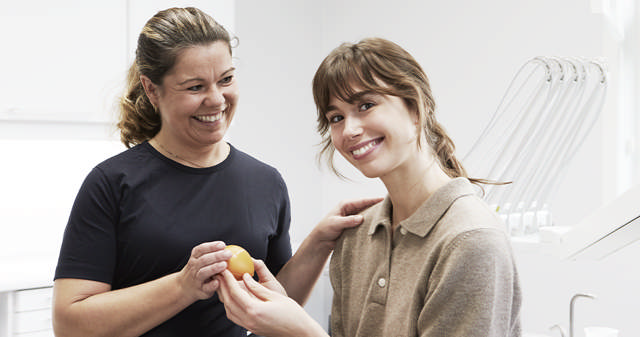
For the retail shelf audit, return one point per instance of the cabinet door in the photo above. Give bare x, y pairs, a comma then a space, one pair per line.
32, 321
32, 312
48, 333
61, 60
32, 299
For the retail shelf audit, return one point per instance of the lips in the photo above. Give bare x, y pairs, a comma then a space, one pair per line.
362, 149
211, 118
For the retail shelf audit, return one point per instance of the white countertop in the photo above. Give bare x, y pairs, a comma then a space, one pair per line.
18, 273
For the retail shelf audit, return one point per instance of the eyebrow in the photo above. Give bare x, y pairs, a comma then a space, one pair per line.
353, 98
201, 79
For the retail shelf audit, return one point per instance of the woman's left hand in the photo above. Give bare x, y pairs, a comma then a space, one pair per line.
264, 311
344, 215
302, 271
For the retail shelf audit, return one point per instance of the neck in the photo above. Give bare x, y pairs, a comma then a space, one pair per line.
193, 156
409, 189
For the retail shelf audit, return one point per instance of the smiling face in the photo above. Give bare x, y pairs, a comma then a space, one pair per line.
197, 97
376, 133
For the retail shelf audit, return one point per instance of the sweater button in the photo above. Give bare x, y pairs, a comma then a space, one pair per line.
382, 282
403, 231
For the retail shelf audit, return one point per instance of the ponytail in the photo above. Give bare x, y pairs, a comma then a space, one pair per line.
139, 120
444, 150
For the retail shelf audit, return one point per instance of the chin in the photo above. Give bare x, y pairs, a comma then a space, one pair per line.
371, 173
213, 138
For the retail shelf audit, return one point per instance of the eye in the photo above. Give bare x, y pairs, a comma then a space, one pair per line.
227, 80
334, 119
366, 106
195, 87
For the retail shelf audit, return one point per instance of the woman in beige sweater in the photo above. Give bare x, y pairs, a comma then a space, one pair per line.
430, 260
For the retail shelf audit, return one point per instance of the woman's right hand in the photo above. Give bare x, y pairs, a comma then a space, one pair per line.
137, 309
267, 279
198, 275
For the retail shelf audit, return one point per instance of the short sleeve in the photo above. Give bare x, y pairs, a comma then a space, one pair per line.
89, 244
279, 251
474, 289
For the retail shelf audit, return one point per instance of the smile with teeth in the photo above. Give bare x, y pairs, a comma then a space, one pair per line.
209, 118
362, 150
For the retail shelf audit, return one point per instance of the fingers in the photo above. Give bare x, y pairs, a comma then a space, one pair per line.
209, 259
223, 289
207, 247
351, 207
351, 220
339, 223
243, 292
231, 290
235, 299
211, 285
198, 275
264, 275
257, 289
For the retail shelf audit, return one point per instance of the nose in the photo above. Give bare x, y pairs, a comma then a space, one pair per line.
352, 127
214, 97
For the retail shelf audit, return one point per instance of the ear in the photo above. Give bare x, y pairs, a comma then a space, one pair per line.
415, 117
151, 89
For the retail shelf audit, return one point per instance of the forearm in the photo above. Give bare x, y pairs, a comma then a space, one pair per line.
302, 271
313, 329
125, 312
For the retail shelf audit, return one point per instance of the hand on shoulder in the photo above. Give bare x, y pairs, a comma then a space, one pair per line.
344, 215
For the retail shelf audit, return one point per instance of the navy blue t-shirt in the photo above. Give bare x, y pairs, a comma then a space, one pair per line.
139, 214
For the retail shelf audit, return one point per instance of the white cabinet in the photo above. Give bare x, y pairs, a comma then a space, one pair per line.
26, 313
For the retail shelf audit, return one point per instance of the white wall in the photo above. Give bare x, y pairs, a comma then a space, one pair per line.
39, 181
275, 118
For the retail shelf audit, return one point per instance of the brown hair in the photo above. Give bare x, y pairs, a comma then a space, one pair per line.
162, 39
381, 66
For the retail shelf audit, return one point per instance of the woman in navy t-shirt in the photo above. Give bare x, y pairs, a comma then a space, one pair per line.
147, 231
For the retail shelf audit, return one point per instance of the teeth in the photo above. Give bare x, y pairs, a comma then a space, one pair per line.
209, 118
364, 149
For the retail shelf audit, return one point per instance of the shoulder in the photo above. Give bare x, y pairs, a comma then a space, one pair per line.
373, 216
254, 169
134, 164
249, 161
471, 225
468, 213
128, 159
353, 238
